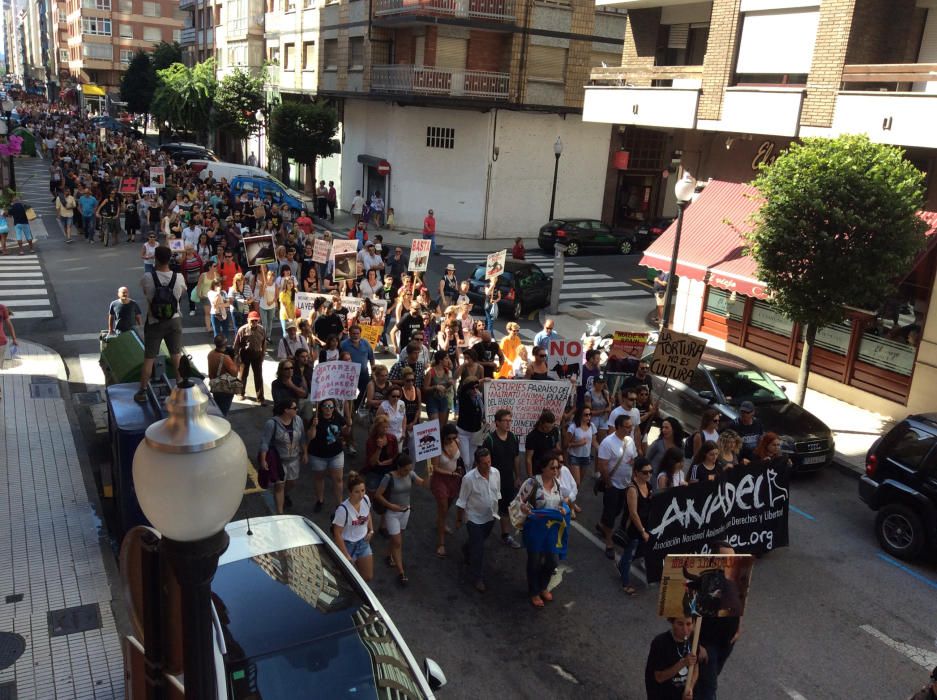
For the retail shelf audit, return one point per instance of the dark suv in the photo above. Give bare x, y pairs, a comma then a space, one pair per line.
900, 482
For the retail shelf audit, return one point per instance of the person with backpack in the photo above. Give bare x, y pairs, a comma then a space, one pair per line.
352, 527
163, 289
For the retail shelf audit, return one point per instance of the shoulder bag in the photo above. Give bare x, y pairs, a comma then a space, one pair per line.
273, 472
516, 510
600, 482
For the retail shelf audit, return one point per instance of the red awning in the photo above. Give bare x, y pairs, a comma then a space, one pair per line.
713, 244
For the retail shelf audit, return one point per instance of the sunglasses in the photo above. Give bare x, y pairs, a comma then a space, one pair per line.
291, 408
328, 405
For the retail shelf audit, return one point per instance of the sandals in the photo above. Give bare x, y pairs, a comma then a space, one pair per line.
547, 596
403, 579
609, 552
441, 552
629, 590
389, 560
537, 602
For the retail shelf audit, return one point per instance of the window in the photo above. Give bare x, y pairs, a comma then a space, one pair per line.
151, 9
289, 56
910, 447
309, 4
152, 34
63, 55
96, 4
126, 56
440, 137
102, 52
177, 35
546, 63
356, 52
610, 59
777, 46
274, 54
126, 31
309, 55
126, 6
331, 54
95, 26
682, 44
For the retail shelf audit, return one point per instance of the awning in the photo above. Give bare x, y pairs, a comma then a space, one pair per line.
92, 90
383, 167
713, 244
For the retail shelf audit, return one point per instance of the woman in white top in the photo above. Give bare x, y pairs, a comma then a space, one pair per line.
519, 366
708, 429
267, 296
352, 527
582, 440
218, 303
671, 469
148, 253
396, 411
370, 285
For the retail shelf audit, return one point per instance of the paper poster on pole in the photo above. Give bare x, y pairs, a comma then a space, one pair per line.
344, 257
705, 585
677, 355
177, 245
564, 359
320, 250
259, 250
627, 344
371, 333
525, 399
335, 380
419, 255
427, 442
157, 176
494, 266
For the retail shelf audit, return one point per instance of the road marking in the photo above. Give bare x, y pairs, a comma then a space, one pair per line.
32, 314
922, 657
564, 674
75, 337
802, 513
23, 283
793, 694
24, 260
28, 302
18, 292
585, 532
604, 294
923, 579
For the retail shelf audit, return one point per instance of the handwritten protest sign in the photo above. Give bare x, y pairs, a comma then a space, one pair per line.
677, 355
344, 256
335, 380
705, 585
371, 333
419, 255
157, 176
628, 344
320, 250
525, 399
494, 265
176, 245
564, 359
427, 442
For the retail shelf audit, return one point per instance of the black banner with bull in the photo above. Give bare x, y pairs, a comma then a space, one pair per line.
748, 508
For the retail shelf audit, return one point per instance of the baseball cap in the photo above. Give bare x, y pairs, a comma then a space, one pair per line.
747, 407
253, 316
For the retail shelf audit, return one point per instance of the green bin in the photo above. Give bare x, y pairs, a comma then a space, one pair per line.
122, 358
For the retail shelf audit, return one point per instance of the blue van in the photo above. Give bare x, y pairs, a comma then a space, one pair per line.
260, 187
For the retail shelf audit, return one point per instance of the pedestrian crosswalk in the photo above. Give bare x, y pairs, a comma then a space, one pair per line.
32, 180
23, 286
581, 283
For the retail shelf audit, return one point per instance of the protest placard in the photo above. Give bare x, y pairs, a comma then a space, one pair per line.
157, 176
320, 250
176, 245
494, 265
427, 442
371, 333
148, 190
628, 344
304, 302
419, 255
355, 305
526, 399
677, 355
564, 359
344, 257
129, 185
705, 585
259, 250
335, 380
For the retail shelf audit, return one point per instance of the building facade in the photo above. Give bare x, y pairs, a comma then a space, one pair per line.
718, 88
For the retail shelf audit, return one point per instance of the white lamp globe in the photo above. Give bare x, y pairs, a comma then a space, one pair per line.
685, 187
558, 147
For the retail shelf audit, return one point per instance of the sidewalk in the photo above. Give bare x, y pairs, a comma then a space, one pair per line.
55, 600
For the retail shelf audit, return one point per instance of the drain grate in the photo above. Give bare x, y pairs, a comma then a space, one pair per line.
44, 388
15, 598
8, 691
12, 647
80, 618
87, 398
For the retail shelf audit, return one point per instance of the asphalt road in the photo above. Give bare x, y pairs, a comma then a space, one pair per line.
829, 617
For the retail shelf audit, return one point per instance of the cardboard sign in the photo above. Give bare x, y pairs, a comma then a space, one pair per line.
564, 359
419, 255
344, 259
705, 585
427, 442
526, 399
320, 250
371, 333
259, 250
748, 508
304, 302
157, 176
335, 380
628, 344
129, 185
177, 245
494, 265
677, 355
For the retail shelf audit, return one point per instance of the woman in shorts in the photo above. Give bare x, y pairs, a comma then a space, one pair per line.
284, 433
326, 440
394, 494
445, 481
352, 528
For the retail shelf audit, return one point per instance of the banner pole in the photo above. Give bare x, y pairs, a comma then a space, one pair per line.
694, 669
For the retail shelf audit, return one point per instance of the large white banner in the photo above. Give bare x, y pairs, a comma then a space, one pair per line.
526, 399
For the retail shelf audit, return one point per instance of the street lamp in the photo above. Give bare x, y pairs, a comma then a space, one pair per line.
259, 116
188, 474
8, 108
557, 152
684, 189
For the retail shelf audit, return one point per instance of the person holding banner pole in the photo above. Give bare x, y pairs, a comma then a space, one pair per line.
670, 660
717, 637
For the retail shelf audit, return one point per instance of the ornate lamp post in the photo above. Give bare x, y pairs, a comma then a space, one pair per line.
557, 152
684, 189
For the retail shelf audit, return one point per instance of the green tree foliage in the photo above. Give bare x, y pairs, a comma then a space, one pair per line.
165, 54
237, 100
138, 84
184, 96
305, 131
839, 226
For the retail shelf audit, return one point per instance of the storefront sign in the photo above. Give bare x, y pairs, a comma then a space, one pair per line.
765, 154
526, 399
677, 355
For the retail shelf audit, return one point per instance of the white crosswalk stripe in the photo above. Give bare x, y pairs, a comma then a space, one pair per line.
581, 283
23, 287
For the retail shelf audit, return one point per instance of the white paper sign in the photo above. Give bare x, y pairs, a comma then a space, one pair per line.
419, 255
525, 399
304, 302
427, 442
494, 265
564, 359
335, 380
320, 250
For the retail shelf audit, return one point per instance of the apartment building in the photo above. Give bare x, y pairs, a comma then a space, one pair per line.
717, 88
103, 35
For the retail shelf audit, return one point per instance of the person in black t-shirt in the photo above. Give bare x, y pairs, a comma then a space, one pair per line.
409, 323
489, 354
124, 313
641, 377
669, 661
504, 446
717, 636
541, 441
327, 323
749, 428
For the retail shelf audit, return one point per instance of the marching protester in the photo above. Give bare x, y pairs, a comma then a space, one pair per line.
637, 508
478, 506
670, 660
616, 456
282, 451
504, 447
352, 527
394, 495
718, 636
446, 473
328, 432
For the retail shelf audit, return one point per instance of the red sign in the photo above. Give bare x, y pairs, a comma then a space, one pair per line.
129, 185
621, 159
383, 168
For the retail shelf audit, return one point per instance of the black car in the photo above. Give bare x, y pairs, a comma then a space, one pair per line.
585, 234
900, 482
646, 232
523, 286
723, 381
182, 151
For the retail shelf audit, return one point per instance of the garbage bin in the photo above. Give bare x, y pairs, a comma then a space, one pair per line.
122, 358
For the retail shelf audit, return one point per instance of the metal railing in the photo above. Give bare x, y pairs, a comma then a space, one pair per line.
481, 9
428, 80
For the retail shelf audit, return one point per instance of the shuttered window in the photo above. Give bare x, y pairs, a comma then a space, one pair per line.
289, 56
546, 63
331, 54
451, 52
777, 42
356, 52
309, 55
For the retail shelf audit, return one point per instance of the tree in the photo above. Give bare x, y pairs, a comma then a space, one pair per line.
184, 96
138, 84
305, 131
239, 97
838, 226
165, 54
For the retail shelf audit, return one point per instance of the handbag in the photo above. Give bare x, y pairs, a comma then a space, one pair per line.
516, 507
4, 225
600, 482
193, 297
226, 383
274, 471
30, 214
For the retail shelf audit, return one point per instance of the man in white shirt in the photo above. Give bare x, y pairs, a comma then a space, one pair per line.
614, 461
478, 503
163, 320
369, 258
357, 206
627, 408
190, 234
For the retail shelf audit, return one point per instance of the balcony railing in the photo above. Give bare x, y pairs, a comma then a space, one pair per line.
627, 75
896, 74
479, 9
427, 80
187, 4
187, 36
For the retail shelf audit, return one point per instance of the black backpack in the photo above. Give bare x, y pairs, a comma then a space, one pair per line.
164, 305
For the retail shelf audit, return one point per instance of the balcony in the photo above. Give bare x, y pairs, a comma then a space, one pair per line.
187, 36
187, 4
475, 9
761, 110
617, 100
243, 27
442, 82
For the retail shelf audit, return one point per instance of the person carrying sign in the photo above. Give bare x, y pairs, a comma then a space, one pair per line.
718, 636
669, 661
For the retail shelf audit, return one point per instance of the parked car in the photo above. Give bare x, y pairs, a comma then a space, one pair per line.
585, 234
182, 151
900, 483
262, 186
523, 286
293, 614
646, 232
723, 381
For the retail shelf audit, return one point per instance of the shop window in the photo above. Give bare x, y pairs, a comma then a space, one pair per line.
768, 319
721, 302
892, 355
835, 338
